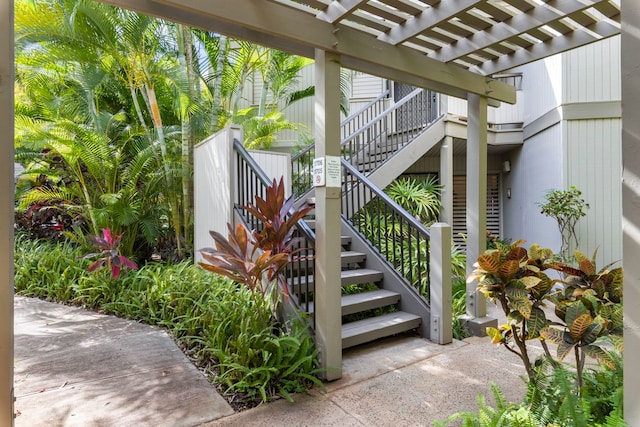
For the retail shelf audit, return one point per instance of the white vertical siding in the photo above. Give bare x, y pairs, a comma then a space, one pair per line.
213, 187
300, 111
592, 73
536, 167
275, 165
594, 165
456, 106
508, 113
542, 80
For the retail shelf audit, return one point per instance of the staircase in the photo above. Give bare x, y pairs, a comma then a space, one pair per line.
386, 143
369, 311
385, 267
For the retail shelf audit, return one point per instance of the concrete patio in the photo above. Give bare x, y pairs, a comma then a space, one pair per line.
74, 367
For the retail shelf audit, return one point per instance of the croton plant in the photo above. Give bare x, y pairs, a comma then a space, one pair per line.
577, 308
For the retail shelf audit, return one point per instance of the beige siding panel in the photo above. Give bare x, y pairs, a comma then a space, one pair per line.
594, 165
213, 175
592, 72
456, 106
300, 112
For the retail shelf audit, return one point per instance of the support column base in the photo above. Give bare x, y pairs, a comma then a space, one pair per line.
477, 326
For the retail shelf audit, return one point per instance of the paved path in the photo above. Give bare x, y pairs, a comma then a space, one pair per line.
74, 367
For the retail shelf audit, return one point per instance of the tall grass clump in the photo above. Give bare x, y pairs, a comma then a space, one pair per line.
219, 323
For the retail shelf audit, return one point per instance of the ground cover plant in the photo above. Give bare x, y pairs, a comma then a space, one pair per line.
225, 329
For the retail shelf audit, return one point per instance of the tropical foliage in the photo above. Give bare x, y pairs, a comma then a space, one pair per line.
587, 304
257, 260
223, 327
109, 104
109, 254
552, 400
566, 207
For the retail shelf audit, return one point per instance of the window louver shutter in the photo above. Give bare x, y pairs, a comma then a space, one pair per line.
460, 207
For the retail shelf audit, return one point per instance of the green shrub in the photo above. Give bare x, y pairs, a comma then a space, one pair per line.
459, 308
218, 321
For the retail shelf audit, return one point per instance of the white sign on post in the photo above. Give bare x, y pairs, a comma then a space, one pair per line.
318, 172
333, 169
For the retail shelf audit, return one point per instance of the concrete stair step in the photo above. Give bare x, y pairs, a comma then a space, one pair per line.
356, 303
352, 257
347, 277
362, 331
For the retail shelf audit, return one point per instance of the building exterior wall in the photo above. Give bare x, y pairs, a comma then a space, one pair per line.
592, 73
575, 142
593, 163
542, 82
536, 167
556, 142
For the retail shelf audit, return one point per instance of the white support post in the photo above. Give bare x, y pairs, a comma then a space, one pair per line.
476, 208
446, 179
6, 217
631, 207
440, 292
328, 325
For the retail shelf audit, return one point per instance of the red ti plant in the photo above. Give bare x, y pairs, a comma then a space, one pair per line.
111, 256
257, 259
237, 257
279, 218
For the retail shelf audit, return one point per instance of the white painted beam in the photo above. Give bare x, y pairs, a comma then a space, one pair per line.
339, 9
519, 24
476, 197
630, 64
550, 47
6, 213
428, 18
327, 294
272, 24
446, 179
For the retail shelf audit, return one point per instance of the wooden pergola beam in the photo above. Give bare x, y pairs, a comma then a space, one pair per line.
285, 28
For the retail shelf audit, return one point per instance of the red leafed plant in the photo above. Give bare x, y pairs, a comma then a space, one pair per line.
279, 218
110, 254
257, 259
237, 257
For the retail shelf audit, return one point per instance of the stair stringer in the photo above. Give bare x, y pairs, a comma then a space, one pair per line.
395, 165
410, 300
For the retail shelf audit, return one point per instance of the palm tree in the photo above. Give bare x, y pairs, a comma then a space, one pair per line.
165, 86
103, 44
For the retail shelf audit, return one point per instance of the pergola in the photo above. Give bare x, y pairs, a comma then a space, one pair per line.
449, 46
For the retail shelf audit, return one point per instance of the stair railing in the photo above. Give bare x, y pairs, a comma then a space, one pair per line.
370, 145
364, 115
252, 181
399, 237
302, 161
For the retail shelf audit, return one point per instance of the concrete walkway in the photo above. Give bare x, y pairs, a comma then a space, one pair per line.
77, 368
74, 367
